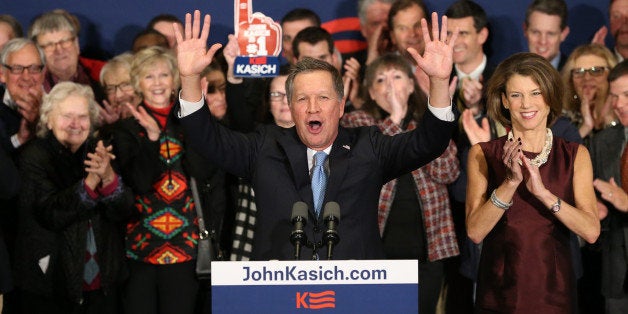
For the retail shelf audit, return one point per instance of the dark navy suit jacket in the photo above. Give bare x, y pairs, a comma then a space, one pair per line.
275, 161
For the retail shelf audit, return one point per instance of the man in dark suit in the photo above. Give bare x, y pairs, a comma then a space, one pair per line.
278, 162
610, 166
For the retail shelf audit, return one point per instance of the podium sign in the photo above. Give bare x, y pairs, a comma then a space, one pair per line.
355, 286
259, 42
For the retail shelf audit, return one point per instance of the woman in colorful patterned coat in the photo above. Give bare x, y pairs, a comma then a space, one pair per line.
161, 240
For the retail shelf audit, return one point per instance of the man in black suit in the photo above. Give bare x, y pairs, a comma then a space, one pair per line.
278, 162
610, 166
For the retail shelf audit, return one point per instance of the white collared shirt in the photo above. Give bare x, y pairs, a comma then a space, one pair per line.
475, 74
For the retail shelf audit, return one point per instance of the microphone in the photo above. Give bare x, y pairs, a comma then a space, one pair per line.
331, 215
299, 220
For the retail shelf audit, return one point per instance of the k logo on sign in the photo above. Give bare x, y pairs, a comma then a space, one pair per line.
316, 301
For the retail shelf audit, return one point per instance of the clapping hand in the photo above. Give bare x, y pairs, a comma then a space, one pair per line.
351, 80
475, 133
98, 166
471, 93
145, 120
612, 193
108, 114
512, 158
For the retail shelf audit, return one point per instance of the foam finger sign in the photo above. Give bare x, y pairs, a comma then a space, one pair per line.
259, 42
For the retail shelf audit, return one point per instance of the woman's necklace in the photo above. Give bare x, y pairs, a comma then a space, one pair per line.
541, 158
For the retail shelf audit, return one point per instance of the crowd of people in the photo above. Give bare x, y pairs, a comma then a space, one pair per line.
507, 182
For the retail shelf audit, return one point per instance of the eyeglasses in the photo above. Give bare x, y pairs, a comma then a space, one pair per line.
216, 88
124, 87
277, 96
63, 43
19, 69
593, 71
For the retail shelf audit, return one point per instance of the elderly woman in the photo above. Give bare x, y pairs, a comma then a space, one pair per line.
71, 208
585, 75
526, 191
56, 33
414, 210
162, 234
115, 78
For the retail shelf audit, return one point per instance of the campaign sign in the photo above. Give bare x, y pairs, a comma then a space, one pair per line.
368, 286
259, 42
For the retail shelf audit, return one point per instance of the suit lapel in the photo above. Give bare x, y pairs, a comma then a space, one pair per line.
297, 158
338, 164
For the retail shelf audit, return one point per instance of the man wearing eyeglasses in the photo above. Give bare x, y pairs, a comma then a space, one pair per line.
57, 35
22, 73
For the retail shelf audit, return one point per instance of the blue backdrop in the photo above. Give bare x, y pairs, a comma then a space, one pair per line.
108, 27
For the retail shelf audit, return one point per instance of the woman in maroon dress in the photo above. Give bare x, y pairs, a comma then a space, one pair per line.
521, 195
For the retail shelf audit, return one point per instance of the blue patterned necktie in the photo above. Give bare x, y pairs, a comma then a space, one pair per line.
319, 180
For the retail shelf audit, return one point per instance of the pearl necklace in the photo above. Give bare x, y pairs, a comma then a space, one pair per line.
541, 158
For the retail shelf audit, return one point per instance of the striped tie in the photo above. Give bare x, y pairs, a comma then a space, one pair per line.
319, 181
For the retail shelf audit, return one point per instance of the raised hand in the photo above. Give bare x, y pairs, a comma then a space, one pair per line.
145, 120
373, 44
437, 60
599, 36
193, 55
230, 52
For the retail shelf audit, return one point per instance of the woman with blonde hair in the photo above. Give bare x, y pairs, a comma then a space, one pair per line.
163, 233
585, 76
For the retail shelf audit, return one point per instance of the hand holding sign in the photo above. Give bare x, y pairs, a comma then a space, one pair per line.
259, 42
258, 35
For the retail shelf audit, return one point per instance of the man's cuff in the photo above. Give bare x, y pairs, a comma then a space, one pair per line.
15, 141
187, 107
445, 114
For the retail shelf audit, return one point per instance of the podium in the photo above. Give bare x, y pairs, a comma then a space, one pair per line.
350, 286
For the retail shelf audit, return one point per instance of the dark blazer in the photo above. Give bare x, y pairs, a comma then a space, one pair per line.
275, 161
10, 120
606, 150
